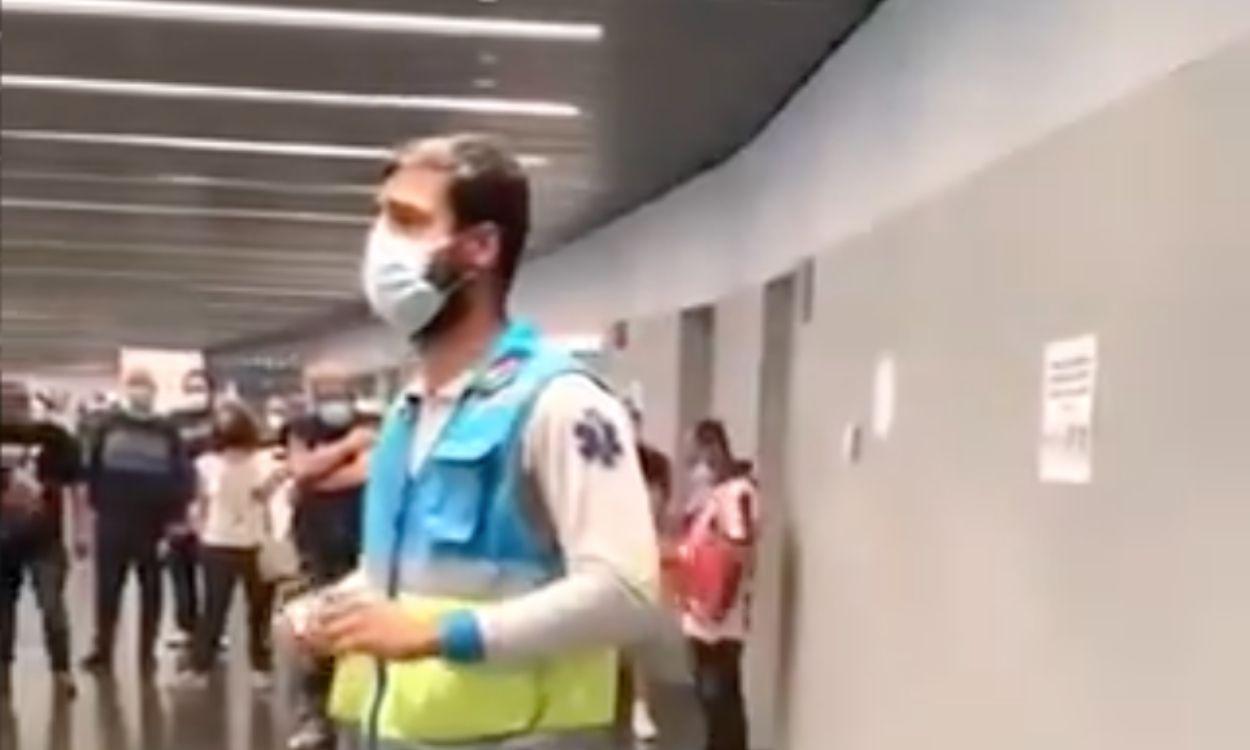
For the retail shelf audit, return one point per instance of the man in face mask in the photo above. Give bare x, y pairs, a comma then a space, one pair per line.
507, 523
328, 455
139, 480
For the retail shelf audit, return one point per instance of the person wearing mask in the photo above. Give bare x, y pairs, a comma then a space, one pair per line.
40, 476
328, 457
508, 548
139, 480
236, 480
182, 560
702, 455
277, 417
727, 508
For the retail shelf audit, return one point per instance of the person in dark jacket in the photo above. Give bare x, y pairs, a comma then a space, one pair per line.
328, 455
40, 475
139, 481
195, 426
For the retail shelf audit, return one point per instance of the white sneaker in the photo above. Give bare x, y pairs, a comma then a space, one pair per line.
312, 735
644, 726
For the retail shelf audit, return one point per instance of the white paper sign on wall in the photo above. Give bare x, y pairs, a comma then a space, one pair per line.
884, 396
1069, 386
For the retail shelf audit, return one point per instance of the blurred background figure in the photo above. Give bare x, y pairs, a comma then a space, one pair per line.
235, 481
276, 422
666, 712
328, 456
139, 481
195, 426
40, 475
723, 513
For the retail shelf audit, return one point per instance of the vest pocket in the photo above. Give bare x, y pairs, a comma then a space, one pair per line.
457, 479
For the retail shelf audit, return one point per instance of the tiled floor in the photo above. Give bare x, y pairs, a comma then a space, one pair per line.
121, 714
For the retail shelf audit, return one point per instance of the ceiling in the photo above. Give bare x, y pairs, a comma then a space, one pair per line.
199, 174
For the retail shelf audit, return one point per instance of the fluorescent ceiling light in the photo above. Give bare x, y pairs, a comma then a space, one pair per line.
315, 18
137, 209
329, 258
254, 95
276, 291
193, 180
222, 145
96, 274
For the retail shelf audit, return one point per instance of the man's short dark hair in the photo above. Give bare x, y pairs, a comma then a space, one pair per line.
488, 186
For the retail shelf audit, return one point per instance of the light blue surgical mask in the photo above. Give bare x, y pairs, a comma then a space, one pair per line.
395, 277
336, 413
140, 400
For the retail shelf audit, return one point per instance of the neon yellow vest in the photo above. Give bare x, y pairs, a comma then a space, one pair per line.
434, 700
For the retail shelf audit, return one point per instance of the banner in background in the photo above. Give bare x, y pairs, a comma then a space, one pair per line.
169, 368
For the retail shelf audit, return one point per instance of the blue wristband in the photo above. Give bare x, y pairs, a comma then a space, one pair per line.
460, 637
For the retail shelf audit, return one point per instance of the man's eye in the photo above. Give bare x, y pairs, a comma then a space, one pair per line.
404, 219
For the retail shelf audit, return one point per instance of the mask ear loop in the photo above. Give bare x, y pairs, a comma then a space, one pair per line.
450, 283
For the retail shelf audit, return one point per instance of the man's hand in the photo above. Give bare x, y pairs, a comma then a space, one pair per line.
379, 628
22, 496
310, 465
81, 546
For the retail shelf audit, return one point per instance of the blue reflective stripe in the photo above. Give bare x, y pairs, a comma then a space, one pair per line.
461, 637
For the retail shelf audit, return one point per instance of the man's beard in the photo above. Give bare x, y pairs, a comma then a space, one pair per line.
454, 310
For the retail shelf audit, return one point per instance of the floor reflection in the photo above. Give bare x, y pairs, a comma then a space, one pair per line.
127, 713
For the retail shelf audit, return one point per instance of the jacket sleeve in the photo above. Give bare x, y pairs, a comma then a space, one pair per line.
580, 452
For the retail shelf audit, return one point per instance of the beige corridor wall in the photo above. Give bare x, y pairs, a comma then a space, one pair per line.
736, 355
944, 597
649, 365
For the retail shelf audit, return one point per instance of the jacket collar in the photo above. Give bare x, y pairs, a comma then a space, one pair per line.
516, 344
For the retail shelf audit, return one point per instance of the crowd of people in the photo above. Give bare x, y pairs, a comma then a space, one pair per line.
208, 496
495, 515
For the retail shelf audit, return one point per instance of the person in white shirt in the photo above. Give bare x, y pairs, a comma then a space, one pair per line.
730, 509
235, 481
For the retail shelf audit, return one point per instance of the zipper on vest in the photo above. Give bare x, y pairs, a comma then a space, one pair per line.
393, 570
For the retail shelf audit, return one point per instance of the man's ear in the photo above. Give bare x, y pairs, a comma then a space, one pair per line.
482, 247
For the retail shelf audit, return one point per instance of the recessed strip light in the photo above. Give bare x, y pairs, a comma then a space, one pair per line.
95, 274
192, 180
35, 204
223, 145
255, 95
195, 180
329, 258
315, 18
276, 291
